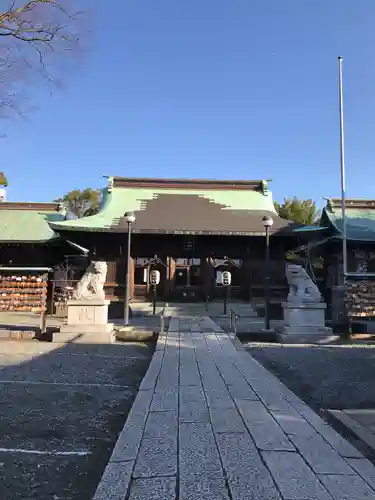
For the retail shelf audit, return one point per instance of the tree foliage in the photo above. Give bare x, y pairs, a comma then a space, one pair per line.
35, 36
300, 211
3, 180
82, 203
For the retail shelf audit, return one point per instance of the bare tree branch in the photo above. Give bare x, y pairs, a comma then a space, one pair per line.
36, 38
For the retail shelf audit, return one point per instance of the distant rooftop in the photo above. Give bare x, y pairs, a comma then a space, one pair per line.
359, 216
162, 183
351, 203
27, 222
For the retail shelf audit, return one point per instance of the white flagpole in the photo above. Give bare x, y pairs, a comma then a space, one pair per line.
343, 182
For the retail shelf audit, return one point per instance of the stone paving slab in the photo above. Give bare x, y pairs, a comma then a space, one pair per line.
198, 452
115, 481
321, 457
153, 488
161, 424
347, 487
210, 486
211, 423
364, 468
165, 401
156, 457
263, 428
294, 478
194, 411
359, 422
191, 393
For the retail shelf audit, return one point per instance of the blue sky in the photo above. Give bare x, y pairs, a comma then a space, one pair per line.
207, 88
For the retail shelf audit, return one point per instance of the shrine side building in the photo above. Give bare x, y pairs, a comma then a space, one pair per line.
191, 230
326, 242
26, 239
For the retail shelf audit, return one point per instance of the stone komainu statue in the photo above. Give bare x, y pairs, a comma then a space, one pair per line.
301, 286
91, 285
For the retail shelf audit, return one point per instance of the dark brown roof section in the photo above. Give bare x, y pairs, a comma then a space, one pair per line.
192, 214
24, 205
357, 203
204, 184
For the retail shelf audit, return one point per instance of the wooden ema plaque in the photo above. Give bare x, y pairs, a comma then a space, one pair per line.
23, 292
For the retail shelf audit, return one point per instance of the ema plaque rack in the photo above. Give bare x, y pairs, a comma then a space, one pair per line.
360, 295
24, 289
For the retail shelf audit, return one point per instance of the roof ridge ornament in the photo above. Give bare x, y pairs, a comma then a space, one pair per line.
62, 209
329, 205
110, 184
264, 187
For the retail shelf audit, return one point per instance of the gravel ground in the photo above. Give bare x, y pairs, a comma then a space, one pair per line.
61, 411
324, 377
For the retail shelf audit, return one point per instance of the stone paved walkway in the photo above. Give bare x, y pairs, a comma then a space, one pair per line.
209, 422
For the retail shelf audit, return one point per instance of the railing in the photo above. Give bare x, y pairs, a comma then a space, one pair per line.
233, 317
62, 291
162, 321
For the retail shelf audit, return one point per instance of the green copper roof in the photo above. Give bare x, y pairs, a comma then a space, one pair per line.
360, 219
27, 225
117, 201
309, 229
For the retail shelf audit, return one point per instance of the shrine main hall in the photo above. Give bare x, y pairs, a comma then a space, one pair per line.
190, 230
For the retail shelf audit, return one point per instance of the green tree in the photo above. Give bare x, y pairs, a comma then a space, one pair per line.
82, 203
36, 36
3, 180
300, 211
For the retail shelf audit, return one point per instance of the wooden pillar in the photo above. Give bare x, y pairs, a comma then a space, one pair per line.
131, 272
207, 277
245, 271
165, 272
111, 272
172, 272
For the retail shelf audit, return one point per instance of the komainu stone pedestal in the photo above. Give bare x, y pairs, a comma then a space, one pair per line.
304, 323
87, 322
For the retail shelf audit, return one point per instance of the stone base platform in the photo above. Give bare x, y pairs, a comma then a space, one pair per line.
87, 323
85, 334
304, 337
304, 323
135, 334
306, 334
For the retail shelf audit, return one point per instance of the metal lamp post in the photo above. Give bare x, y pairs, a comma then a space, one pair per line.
343, 181
267, 223
130, 219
